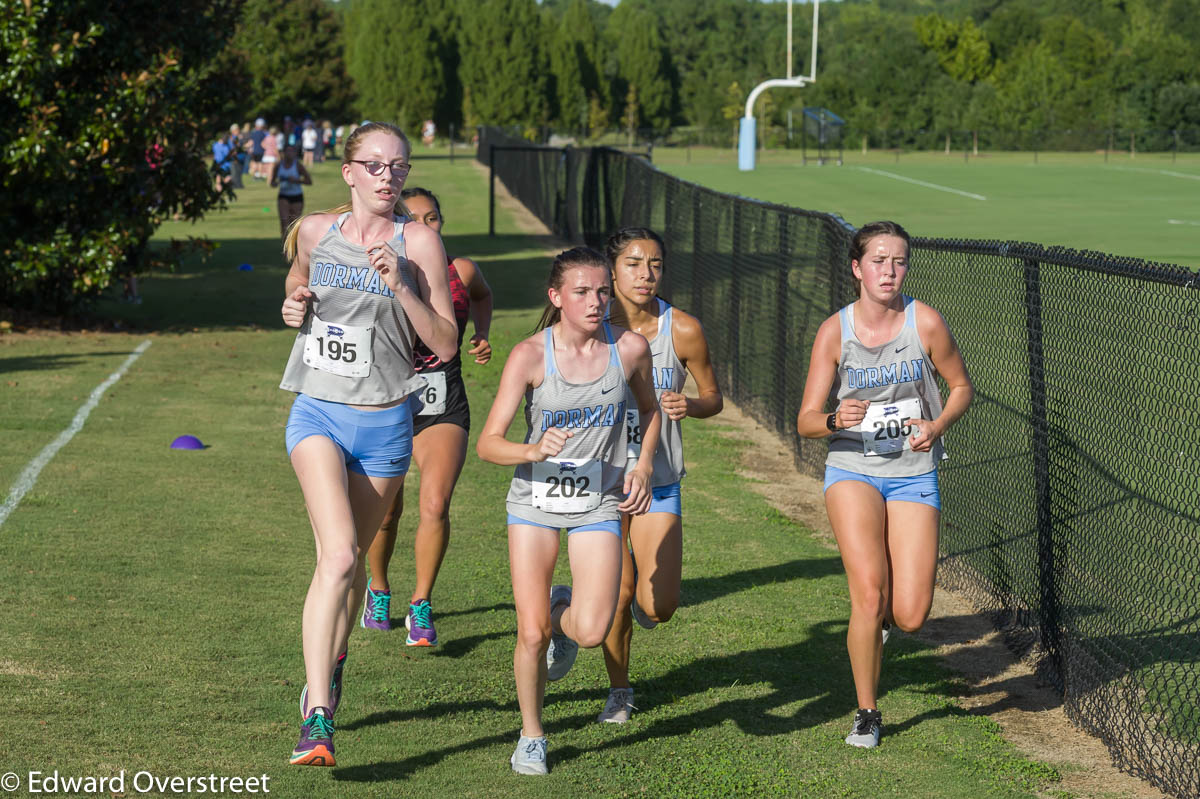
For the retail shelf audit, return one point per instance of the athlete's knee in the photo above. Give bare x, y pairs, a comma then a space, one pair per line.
534, 636
868, 602
910, 619
435, 507
589, 629
338, 563
660, 608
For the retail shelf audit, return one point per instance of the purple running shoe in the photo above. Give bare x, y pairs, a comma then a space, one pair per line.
377, 610
419, 623
316, 740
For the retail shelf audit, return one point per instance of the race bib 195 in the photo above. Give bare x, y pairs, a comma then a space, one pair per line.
885, 429
434, 394
343, 350
561, 485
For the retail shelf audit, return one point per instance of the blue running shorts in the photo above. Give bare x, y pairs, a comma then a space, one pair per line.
609, 526
666, 499
374, 443
921, 488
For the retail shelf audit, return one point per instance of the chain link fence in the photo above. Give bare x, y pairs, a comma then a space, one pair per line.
1072, 494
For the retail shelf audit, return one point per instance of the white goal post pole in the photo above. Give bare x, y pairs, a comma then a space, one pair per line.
747, 133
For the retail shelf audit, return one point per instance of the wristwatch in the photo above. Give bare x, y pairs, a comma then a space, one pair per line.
831, 422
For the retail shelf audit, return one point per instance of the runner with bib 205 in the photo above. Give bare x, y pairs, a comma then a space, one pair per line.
877, 360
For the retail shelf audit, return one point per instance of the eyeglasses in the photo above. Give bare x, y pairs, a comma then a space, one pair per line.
376, 168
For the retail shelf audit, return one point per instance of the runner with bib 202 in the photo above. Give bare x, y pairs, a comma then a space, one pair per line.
570, 473
877, 361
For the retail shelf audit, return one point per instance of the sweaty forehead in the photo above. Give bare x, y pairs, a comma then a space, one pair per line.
887, 246
579, 276
381, 146
642, 249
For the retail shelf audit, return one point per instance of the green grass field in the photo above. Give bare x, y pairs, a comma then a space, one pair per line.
151, 597
1144, 207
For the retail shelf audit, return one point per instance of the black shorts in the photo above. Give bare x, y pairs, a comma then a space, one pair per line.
256, 157
457, 411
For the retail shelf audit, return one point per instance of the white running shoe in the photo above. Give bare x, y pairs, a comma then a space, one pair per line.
617, 710
560, 655
867, 726
530, 756
886, 632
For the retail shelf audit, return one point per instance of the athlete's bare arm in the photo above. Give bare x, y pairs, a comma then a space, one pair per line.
297, 295
431, 312
635, 351
480, 294
822, 367
525, 367
944, 353
691, 347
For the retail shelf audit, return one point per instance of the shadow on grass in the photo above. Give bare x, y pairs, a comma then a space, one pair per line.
41, 363
810, 685
697, 590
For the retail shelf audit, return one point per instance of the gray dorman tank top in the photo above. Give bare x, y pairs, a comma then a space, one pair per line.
899, 381
668, 374
355, 346
595, 412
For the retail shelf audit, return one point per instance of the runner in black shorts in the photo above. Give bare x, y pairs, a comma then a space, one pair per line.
440, 427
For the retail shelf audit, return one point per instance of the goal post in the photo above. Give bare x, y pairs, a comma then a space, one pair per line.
747, 129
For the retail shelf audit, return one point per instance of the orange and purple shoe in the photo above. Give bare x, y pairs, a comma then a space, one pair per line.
316, 740
377, 610
419, 623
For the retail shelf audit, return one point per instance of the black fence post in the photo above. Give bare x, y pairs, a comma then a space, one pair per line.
782, 318
1049, 618
696, 243
491, 191
735, 304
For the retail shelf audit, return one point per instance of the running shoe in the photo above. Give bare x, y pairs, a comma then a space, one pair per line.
530, 756
377, 610
644, 621
620, 703
335, 689
560, 655
316, 740
419, 623
867, 726
886, 632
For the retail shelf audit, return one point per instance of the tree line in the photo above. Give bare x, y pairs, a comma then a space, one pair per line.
110, 108
902, 65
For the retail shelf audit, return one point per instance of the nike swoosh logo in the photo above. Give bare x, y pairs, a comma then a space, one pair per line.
655, 354
606, 390
926, 494
899, 349
394, 461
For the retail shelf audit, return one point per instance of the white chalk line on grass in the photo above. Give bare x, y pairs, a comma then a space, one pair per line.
1147, 170
922, 183
1182, 222
29, 477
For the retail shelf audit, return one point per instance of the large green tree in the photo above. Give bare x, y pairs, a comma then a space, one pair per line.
642, 63
573, 42
292, 51
403, 58
107, 113
504, 63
